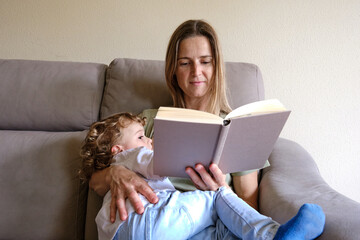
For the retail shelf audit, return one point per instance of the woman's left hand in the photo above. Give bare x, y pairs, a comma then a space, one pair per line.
204, 180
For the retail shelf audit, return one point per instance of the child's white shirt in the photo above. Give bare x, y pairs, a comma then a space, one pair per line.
139, 160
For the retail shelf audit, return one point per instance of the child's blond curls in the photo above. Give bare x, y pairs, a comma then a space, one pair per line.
96, 149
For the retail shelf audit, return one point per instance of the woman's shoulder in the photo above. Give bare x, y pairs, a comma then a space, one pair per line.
149, 113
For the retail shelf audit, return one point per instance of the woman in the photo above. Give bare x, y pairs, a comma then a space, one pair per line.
195, 76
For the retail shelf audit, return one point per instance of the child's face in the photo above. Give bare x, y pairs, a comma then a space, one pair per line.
133, 136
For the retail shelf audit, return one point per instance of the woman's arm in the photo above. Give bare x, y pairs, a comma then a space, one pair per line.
123, 184
246, 187
99, 182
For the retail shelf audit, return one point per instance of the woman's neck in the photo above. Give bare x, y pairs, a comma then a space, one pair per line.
200, 104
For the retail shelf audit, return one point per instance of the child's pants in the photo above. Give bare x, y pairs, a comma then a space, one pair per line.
198, 215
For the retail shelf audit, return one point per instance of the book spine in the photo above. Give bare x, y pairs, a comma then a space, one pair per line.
221, 142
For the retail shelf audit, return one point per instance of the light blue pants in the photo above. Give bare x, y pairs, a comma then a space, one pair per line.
198, 215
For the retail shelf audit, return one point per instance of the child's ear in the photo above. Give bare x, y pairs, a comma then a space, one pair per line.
116, 149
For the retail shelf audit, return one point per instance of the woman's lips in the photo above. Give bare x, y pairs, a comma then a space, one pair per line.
196, 83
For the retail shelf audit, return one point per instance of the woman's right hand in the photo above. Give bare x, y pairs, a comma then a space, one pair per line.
123, 184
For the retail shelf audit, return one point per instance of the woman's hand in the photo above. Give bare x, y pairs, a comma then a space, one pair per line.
204, 180
123, 184
127, 184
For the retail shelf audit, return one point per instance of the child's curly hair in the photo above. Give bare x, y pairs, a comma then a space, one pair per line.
96, 149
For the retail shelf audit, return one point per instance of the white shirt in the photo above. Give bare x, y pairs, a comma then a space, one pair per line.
139, 160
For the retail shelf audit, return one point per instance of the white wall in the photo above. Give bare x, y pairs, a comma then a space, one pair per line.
309, 53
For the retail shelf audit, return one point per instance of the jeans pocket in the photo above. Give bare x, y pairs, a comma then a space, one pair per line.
169, 223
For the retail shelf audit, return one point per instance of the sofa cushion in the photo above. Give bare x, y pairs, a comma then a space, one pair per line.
41, 195
50, 96
134, 85
244, 83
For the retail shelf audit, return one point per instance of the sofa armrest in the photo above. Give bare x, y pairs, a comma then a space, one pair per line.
294, 179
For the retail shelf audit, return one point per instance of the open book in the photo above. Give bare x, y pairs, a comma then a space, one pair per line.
243, 140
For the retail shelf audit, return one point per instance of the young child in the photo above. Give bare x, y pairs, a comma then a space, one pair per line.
120, 139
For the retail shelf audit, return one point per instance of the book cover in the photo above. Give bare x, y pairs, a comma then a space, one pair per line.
243, 141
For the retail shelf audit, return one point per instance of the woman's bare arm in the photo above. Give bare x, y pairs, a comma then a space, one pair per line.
246, 187
99, 182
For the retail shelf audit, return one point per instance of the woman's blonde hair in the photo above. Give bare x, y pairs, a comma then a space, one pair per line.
96, 149
191, 28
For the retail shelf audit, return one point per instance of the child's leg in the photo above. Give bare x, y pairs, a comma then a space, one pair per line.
241, 219
176, 216
247, 223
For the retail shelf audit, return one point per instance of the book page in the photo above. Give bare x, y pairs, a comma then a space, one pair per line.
257, 108
187, 115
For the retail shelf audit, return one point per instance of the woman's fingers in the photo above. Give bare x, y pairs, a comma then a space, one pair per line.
204, 180
127, 184
208, 180
135, 201
117, 202
196, 179
218, 175
139, 185
148, 192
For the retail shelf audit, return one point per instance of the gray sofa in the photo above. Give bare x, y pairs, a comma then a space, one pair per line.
45, 110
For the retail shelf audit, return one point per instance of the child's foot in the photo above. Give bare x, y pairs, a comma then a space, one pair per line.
308, 223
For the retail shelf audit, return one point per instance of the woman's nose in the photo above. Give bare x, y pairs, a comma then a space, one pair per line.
196, 69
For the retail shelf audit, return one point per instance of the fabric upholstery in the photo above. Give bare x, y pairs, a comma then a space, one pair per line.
45, 109
50, 96
294, 179
41, 195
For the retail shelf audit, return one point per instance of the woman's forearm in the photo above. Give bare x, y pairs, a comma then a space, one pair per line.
246, 187
99, 181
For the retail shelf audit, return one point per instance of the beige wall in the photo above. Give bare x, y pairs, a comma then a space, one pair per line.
309, 53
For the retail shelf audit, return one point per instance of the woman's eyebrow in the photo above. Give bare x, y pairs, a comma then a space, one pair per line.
183, 58
205, 56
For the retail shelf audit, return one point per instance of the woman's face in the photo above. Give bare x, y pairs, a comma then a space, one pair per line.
194, 69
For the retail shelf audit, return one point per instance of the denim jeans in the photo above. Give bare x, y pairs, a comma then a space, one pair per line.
198, 215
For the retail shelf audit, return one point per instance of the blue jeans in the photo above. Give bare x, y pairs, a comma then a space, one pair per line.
198, 215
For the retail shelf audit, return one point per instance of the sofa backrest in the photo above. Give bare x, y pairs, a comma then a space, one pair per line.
49, 96
45, 108
134, 85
